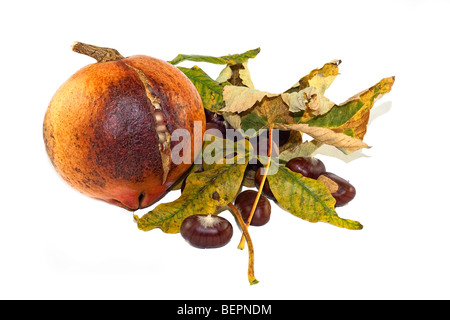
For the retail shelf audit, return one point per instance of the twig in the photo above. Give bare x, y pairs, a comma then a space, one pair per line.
251, 254
263, 180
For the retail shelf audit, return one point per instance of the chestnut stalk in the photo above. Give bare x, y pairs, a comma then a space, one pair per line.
263, 180
246, 234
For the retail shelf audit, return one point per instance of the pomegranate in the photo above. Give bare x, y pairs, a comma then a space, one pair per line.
107, 129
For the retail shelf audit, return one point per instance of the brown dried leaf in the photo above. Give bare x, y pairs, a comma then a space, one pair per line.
340, 140
271, 110
308, 99
239, 99
237, 75
305, 149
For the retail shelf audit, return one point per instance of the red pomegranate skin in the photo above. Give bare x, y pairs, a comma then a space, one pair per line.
100, 129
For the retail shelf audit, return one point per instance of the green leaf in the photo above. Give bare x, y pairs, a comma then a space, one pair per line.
352, 116
229, 59
270, 110
205, 193
209, 186
306, 198
253, 121
217, 151
210, 90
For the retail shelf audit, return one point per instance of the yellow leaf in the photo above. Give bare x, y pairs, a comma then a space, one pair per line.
239, 99
205, 193
358, 122
321, 79
340, 140
307, 198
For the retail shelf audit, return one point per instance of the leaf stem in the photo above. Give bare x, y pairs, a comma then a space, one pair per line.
263, 180
251, 253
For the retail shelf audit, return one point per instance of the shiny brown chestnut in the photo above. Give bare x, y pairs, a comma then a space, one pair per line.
340, 189
244, 202
309, 167
219, 121
260, 143
213, 117
206, 231
215, 129
266, 189
283, 137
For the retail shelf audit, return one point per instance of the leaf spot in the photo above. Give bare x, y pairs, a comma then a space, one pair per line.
216, 196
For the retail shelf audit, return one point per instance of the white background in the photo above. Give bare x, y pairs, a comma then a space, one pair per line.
58, 244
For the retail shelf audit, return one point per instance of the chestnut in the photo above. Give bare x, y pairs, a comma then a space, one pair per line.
340, 189
260, 145
206, 231
266, 188
219, 123
309, 167
244, 202
254, 166
213, 117
215, 129
283, 137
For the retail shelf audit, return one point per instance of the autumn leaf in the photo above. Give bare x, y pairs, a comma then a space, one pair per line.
321, 78
207, 189
236, 72
232, 118
269, 111
178, 184
313, 86
308, 99
205, 192
296, 147
228, 59
307, 198
342, 141
305, 149
352, 116
218, 151
237, 75
239, 99
255, 109
210, 90
258, 109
